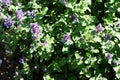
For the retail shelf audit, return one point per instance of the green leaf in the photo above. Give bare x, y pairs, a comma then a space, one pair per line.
117, 35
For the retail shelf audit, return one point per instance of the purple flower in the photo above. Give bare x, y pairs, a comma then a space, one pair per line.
6, 2
63, 1
35, 30
74, 18
8, 22
20, 14
21, 61
99, 28
109, 56
118, 24
45, 70
32, 46
16, 73
107, 36
31, 14
115, 62
65, 37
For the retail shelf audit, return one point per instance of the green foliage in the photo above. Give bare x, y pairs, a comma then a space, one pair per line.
83, 56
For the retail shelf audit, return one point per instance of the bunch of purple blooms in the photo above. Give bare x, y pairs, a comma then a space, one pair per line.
66, 38
19, 14
8, 22
35, 29
6, 2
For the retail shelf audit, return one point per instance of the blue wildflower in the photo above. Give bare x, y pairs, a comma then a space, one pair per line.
109, 56
16, 73
115, 62
20, 14
31, 14
6, 2
45, 70
8, 22
107, 36
74, 18
21, 61
118, 24
63, 2
35, 29
99, 28
66, 39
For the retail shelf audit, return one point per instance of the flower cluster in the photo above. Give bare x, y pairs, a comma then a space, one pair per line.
8, 22
110, 56
35, 29
19, 14
66, 38
6, 2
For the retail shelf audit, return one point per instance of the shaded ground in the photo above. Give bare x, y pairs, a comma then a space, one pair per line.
8, 65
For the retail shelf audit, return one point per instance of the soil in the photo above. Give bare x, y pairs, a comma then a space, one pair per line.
8, 65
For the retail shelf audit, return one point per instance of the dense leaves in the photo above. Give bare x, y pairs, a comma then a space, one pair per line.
62, 39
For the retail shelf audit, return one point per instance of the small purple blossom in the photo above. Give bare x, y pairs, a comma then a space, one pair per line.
32, 46
74, 18
65, 37
45, 70
31, 14
21, 61
109, 56
20, 14
115, 62
16, 73
118, 24
8, 22
107, 36
35, 29
63, 1
99, 28
6, 2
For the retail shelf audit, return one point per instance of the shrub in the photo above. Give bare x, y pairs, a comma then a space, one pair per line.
62, 39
